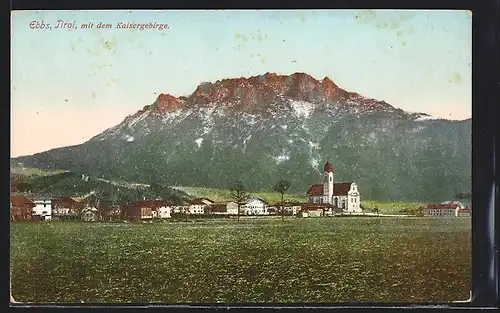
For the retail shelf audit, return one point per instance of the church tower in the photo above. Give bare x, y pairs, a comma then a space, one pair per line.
328, 183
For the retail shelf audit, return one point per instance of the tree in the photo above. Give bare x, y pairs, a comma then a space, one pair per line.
100, 200
23, 186
281, 187
239, 195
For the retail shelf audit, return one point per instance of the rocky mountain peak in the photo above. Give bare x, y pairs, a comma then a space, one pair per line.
167, 103
263, 89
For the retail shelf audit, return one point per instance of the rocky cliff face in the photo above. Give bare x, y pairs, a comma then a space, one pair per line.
266, 127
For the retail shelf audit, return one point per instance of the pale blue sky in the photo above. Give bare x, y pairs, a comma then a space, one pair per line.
91, 79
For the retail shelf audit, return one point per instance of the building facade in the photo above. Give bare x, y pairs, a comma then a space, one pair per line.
254, 206
442, 210
198, 206
65, 208
43, 209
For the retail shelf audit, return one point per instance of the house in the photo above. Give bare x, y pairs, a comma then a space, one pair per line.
255, 206
197, 206
21, 208
345, 196
42, 209
441, 210
316, 209
64, 208
161, 209
289, 207
142, 209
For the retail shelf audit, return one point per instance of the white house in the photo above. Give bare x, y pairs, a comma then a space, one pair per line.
442, 210
197, 206
345, 196
160, 208
255, 206
232, 208
43, 208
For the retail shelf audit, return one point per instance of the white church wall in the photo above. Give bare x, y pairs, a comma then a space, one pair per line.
353, 199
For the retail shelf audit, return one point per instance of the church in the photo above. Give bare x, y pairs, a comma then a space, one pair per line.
343, 196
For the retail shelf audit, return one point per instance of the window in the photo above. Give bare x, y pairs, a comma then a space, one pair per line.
331, 178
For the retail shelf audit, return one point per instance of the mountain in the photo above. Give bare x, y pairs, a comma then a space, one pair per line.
266, 127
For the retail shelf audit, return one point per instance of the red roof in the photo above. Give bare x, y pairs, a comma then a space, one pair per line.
441, 206
315, 190
21, 200
464, 211
197, 202
328, 167
340, 189
316, 206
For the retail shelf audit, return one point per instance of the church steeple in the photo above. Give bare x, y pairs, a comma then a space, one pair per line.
328, 183
328, 167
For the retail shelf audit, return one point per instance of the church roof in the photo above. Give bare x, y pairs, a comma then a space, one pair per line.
315, 190
339, 189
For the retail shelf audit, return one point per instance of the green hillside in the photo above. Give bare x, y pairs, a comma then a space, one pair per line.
216, 194
66, 183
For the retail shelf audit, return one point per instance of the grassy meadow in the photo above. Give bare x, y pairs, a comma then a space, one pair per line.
263, 260
387, 207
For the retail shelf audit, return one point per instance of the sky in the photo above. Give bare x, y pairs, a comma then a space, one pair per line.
70, 84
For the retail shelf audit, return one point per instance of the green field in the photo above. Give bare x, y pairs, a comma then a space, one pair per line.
387, 207
322, 260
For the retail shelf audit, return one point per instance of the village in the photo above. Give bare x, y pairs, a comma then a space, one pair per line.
327, 199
